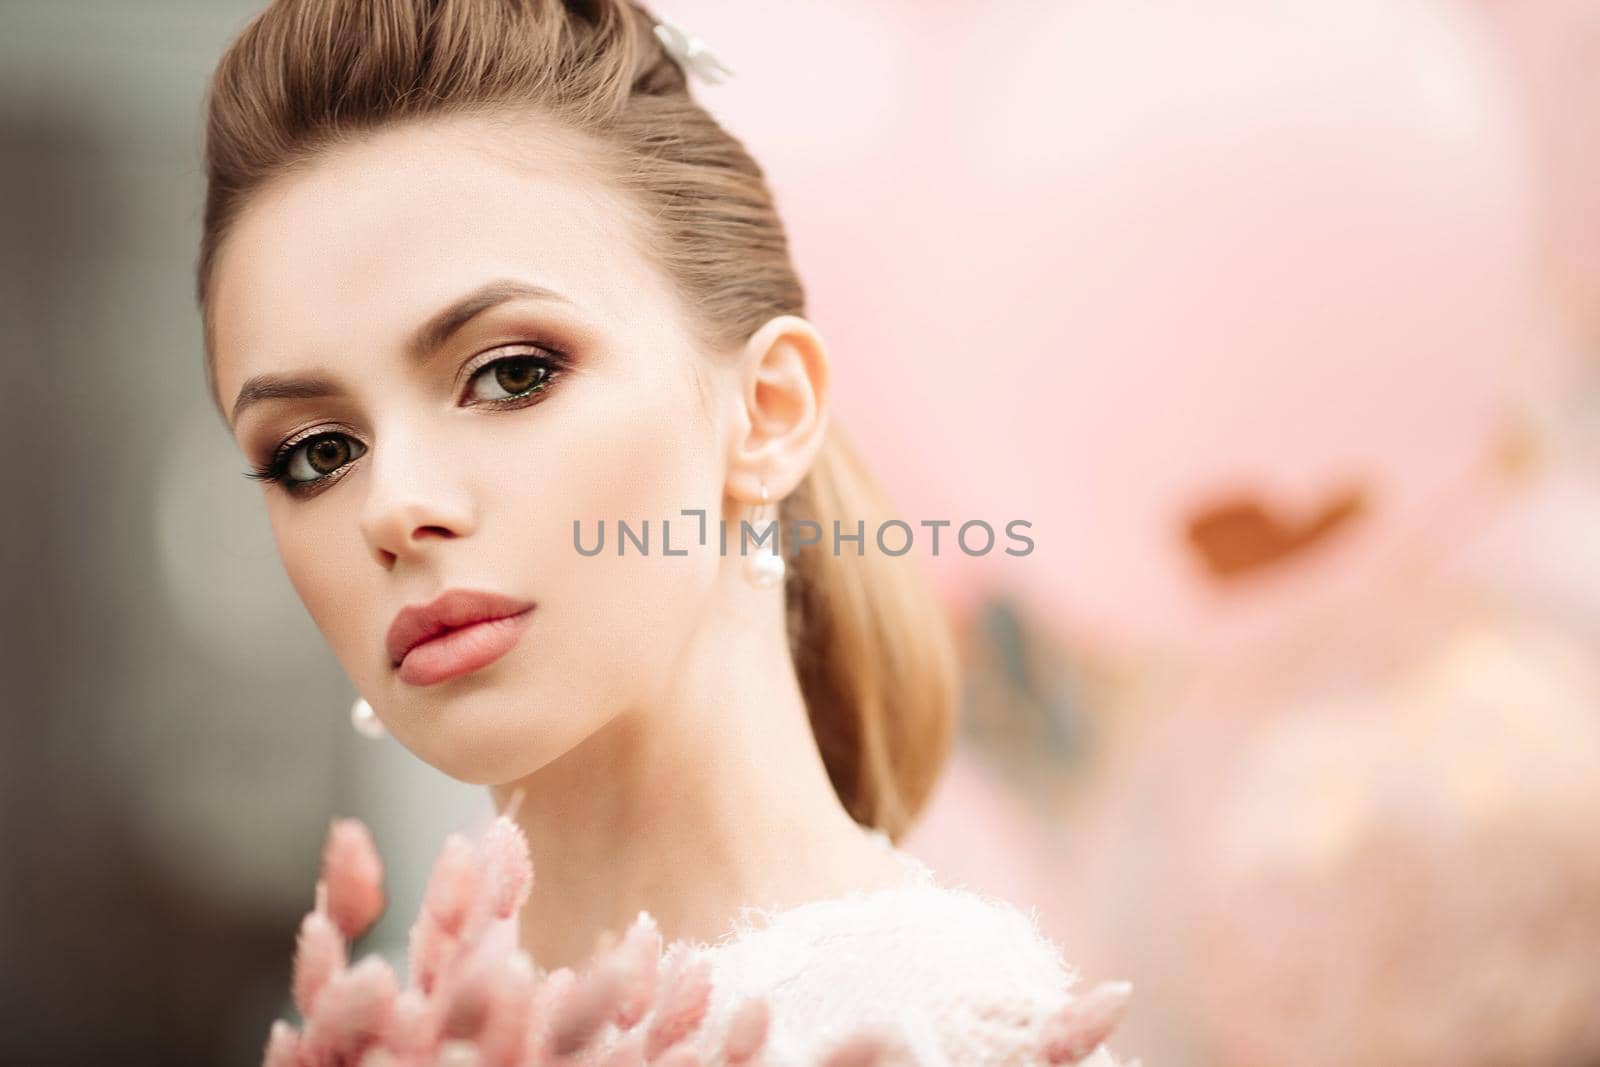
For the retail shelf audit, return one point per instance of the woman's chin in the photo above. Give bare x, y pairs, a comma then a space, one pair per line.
477, 747
481, 760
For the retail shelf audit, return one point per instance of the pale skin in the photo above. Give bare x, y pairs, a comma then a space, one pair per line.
650, 716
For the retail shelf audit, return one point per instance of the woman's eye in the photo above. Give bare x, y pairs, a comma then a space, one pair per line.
317, 457
511, 377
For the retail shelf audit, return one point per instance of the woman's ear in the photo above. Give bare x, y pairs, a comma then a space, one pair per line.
783, 377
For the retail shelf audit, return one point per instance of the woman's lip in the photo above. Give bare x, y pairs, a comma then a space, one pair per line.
450, 610
462, 650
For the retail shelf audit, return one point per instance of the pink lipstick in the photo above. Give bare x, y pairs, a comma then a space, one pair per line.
457, 633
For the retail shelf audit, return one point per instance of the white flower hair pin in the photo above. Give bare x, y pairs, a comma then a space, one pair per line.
692, 53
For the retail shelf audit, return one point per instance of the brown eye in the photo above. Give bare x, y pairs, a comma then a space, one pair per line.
513, 376
328, 455
319, 457
518, 375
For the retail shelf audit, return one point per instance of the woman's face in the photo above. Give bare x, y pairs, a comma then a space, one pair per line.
432, 468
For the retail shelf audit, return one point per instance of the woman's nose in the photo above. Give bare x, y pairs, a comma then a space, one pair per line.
412, 503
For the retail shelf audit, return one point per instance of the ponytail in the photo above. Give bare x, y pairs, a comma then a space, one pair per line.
872, 648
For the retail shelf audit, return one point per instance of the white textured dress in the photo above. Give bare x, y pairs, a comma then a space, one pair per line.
960, 978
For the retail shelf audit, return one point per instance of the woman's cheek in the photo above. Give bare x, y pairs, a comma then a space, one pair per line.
327, 580
645, 470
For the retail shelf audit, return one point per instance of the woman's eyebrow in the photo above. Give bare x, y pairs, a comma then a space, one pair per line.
427, 338
445, 322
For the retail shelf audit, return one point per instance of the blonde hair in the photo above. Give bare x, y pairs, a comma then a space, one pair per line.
871, 646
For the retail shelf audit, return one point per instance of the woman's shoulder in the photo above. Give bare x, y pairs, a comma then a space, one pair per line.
962, 977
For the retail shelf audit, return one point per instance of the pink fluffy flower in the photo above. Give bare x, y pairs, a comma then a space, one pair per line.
351, 1014
470, 1001
1085, 1022
684, 998
353, 874
319, 955
747, 1032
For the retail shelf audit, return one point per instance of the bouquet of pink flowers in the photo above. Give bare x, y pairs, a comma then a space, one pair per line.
472, 1002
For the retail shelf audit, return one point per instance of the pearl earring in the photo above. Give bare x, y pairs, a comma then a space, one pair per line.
765, 569
365, 720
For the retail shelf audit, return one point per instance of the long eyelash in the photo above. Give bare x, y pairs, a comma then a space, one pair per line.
276, 468
277, 464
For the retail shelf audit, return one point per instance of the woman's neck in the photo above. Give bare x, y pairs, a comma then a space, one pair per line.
710, 796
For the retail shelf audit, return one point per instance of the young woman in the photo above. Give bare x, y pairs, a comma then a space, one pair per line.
480, 281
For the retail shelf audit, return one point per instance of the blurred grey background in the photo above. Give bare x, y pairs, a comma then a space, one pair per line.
174, 732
